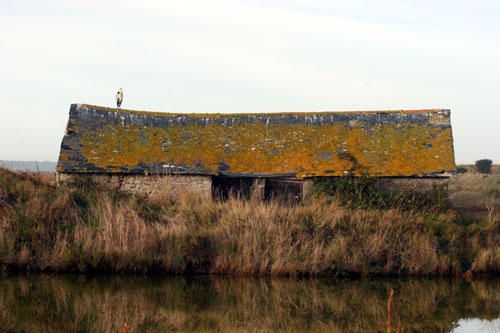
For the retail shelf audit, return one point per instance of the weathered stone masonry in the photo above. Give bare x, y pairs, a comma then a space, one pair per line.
151, 186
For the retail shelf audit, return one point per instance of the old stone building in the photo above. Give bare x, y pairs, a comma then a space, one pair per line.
265, 155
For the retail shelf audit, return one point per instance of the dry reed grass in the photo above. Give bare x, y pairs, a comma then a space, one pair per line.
84, 228
477, 192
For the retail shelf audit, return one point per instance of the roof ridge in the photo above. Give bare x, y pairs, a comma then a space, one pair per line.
291, 113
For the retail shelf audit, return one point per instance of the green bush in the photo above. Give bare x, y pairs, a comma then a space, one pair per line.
369, 193
484, 166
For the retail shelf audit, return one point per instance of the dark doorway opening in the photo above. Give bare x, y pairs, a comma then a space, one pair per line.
283, 191
225, 187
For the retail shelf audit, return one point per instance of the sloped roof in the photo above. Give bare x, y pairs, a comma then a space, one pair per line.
377, 143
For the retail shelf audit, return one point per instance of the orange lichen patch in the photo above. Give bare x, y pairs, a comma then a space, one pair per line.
409, 143
63, 156
323, 149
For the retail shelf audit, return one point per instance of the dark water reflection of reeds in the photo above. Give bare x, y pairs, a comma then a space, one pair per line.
43, 303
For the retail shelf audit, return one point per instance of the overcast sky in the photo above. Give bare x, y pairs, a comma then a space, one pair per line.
248, 56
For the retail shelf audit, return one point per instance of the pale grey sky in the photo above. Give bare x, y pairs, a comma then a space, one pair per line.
248, 56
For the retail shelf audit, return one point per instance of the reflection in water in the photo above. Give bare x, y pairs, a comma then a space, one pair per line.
477, 325
42, 303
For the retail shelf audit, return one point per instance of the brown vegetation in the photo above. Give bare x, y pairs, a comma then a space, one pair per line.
476, 194
85, 228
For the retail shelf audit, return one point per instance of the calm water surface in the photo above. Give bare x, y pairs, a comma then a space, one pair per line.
43, 303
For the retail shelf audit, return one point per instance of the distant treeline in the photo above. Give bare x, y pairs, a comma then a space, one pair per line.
34, 166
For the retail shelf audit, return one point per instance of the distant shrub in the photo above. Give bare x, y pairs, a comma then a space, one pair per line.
484, 166
461, 169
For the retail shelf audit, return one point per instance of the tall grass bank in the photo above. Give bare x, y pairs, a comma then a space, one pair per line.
82, 228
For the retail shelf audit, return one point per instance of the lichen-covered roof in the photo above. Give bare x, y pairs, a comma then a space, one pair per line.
376, 143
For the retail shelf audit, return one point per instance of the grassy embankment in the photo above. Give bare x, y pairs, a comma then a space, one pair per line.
85, 228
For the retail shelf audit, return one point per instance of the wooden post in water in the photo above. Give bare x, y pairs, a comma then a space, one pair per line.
389, 310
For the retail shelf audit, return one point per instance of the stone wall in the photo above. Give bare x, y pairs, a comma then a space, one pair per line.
161, 186
150, 186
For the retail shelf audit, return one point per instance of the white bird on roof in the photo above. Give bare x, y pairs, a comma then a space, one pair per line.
119, 97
